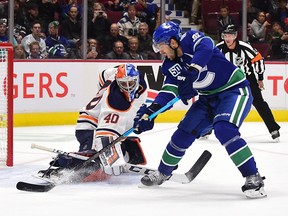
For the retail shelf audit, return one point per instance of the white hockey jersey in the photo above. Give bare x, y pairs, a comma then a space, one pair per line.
109, 113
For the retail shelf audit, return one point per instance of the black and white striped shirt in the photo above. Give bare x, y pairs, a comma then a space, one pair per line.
245, 57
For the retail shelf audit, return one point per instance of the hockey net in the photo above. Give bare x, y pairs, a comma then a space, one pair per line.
6, 104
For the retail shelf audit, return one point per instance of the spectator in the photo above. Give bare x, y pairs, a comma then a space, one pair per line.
155, 20
56, 44
113, 36
19, 33
251, 13
118, 52
49, 10
194, 12
71, 27
145, 42
258, 28
281, 13
128, 25
32, 15
3, 32
133, 52
113, 5
66, 9
35, 36
99, 24
93, 50
279, 42
224, 20
19, 52
267, 6
34, 51
19, 17
3, 9
142, 11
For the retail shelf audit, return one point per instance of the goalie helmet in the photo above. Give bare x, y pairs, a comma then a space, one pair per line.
127, 78
164, 33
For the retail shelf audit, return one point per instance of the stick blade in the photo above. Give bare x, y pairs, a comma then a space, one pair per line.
25, 186
199, 165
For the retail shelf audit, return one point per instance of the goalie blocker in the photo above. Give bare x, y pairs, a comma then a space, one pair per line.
130, 148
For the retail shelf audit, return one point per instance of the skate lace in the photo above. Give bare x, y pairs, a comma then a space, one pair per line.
155, 176
255, 180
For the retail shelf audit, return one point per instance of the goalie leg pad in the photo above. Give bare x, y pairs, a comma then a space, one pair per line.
133, 148
68, 162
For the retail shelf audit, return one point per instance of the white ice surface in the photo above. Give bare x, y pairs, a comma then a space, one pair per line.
216, 191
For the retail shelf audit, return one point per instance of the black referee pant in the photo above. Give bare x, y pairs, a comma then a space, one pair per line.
262, 106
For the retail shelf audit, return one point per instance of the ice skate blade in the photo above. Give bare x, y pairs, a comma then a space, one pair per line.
145, 186
206, 137
255, 194
276, 140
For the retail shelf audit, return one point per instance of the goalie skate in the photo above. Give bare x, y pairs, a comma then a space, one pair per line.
254, 187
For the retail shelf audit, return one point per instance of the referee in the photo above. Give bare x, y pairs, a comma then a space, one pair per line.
247, 58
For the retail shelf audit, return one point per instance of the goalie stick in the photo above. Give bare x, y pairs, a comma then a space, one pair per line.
21, 185
124, 135
134, 169
184, 178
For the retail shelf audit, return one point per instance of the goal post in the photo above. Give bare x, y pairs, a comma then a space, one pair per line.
6, 104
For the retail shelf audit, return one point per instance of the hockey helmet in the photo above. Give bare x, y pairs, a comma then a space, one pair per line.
230, 29
164, 33
127, 78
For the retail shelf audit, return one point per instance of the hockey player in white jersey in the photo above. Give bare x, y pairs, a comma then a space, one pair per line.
108, 115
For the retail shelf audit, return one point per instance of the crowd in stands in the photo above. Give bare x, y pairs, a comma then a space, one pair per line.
52, 29
267, 23
123, 29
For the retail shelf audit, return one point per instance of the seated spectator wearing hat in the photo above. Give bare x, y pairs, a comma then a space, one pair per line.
56, 45
3, 32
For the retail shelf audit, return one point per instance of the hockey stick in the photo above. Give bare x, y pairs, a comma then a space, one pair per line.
49, 186
135, 169
71, 154
124, 135
183, 178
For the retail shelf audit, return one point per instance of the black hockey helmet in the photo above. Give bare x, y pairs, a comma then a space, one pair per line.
230, 29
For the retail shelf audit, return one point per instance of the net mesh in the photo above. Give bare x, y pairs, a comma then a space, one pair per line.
3, 105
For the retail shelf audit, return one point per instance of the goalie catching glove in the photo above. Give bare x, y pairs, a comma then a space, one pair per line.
141, 122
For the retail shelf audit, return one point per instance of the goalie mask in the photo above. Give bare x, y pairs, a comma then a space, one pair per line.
164, 33
127, 78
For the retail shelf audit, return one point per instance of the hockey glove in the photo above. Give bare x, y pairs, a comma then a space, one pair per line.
141, 121
186, 90
190, 72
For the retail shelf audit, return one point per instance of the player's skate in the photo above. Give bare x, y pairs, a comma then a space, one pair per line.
206, 135
275, 135
254, 186
154, 178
